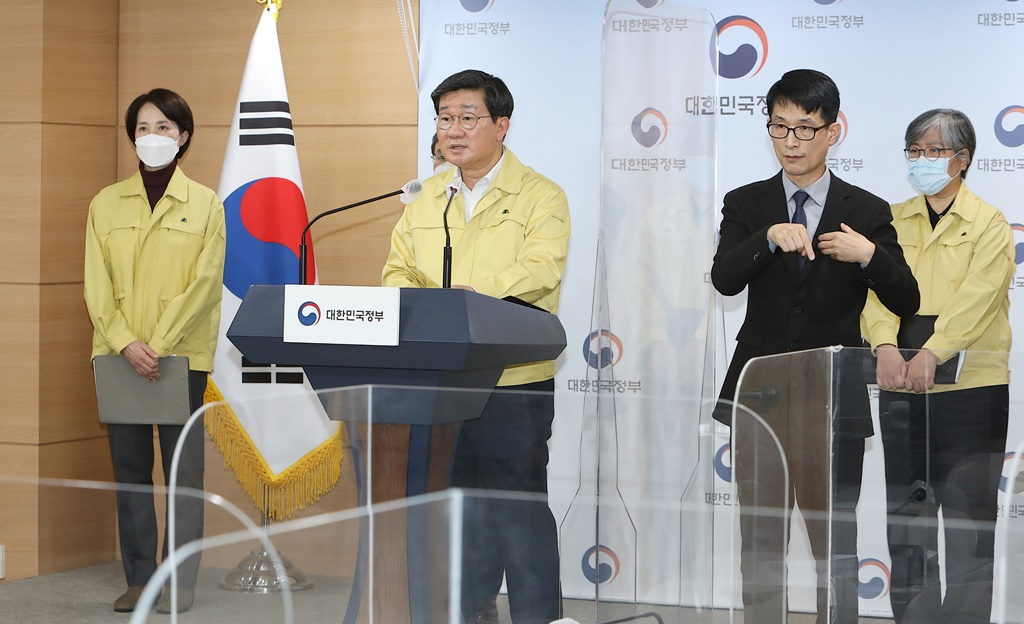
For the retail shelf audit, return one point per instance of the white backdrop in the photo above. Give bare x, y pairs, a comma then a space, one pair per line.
891, 61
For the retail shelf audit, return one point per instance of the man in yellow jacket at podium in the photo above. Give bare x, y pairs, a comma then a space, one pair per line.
508, 228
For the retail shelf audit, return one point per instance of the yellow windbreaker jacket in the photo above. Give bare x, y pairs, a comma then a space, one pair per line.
963, 269
515, 244
156, 276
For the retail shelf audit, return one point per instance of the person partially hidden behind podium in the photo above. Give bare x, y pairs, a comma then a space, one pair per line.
509, 237
806, 280
154, 265
944, 441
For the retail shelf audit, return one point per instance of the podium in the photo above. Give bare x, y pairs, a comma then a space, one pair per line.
453, 347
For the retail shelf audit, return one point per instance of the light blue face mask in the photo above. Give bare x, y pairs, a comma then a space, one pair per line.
930, 176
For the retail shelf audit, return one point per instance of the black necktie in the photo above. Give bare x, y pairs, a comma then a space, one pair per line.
800, 216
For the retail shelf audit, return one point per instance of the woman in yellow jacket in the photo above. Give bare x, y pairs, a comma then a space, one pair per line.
944, 442
154, 265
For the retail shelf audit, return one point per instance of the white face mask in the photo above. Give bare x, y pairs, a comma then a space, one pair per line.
155, 150
441, 168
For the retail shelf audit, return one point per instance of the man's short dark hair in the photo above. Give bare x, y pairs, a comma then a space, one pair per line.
170, 104
808, 89
497, 97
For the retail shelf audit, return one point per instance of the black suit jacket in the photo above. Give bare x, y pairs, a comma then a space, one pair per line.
792, 310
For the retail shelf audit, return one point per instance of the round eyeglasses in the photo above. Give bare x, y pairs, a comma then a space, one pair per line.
468, 121
932, 152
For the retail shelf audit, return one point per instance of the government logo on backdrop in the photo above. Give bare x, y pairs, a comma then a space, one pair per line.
1004, 480
844, 127
595, 567
650, 4
744, 60
875, 579
598, 355
649, 127
723, 470
1018, 235
477, 6
1014, 137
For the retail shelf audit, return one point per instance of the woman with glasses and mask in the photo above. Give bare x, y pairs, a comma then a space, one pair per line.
154, 266
943, 431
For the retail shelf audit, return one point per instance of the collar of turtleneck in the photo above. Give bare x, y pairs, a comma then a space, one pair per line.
156, 181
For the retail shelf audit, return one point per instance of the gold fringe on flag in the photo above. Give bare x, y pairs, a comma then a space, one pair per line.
281, 495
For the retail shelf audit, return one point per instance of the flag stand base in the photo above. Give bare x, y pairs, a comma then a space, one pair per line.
258, 574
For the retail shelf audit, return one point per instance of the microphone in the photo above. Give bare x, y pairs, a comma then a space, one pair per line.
769, 395
409, 193
446, 268
920, 492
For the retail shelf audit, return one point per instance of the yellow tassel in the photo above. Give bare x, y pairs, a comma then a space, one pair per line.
281, 495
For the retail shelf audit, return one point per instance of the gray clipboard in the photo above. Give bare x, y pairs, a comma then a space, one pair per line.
124, 397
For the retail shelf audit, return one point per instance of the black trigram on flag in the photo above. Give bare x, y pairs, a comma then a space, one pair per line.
255, 373
265, 123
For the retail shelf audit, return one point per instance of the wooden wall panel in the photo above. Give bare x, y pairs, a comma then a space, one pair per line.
194, 47
19, 510
67, 400
19, 202
80, 62
19, 368
69, 183
21, 40
351, 247
345, 62
77, 525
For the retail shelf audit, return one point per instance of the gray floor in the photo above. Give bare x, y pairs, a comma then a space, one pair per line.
86, 596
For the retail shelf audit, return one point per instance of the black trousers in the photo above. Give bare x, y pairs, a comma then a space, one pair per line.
131, 449
506, 450
943, 450
828, 507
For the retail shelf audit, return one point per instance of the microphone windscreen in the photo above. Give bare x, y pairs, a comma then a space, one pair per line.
411, 191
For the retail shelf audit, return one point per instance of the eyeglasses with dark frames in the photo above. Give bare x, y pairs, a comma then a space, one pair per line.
803, 133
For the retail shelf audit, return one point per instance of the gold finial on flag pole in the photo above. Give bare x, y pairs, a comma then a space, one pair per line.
274, 6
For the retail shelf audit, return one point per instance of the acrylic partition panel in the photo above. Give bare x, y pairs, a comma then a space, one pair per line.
334, 553
1009, 560
907, 500
399, 444
640, 528
787, 397
936, 467
662, 501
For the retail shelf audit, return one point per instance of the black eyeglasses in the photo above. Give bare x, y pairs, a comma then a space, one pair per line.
468, 121
931, 152
781, 131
